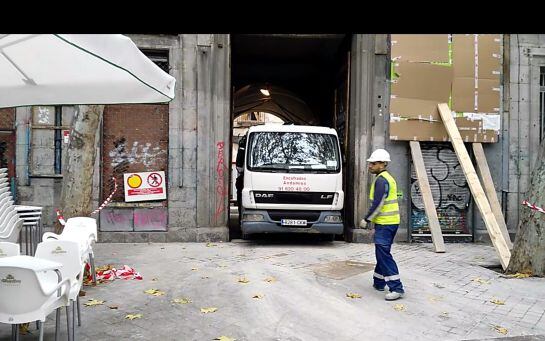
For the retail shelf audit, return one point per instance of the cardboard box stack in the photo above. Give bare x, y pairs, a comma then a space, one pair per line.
425, 75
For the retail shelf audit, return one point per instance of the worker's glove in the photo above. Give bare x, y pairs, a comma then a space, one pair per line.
363, 224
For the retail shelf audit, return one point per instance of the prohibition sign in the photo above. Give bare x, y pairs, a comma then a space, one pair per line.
155, 180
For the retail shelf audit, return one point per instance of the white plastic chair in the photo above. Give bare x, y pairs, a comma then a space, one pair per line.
30, 289
83, 230
66, 252
8, 249
11, 233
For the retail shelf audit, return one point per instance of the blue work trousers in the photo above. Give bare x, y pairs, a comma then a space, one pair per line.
386, 272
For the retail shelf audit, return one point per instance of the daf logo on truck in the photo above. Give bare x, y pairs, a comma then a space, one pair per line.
264, 195
291, 180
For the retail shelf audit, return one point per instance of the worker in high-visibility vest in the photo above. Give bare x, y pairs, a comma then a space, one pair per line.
384, 213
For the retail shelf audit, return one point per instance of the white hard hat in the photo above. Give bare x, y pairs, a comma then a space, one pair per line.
379, 155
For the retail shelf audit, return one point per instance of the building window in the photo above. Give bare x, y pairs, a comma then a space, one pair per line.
541, 103
159, 57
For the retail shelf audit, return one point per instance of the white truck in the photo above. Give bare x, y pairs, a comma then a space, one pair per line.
292, 180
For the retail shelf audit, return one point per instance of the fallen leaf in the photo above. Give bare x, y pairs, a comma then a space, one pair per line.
224, 338
91, 303
24, 328
154, 279
182, 300
518, 275
437, 285
104, 267
353, 295
498, 302
399, 307
133, 316
243, 280
270, 279
444, 314
501, 330
113, 307
435, 298
205, 277
258, 296
194, 269
208, 310
480, 281
154, 292
210, 245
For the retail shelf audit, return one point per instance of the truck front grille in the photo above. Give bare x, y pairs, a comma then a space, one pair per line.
274, 197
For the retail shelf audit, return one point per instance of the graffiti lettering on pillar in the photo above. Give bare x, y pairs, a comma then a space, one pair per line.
450, 191
221, 188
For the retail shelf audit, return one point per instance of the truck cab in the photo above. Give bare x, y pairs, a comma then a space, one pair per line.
291, 180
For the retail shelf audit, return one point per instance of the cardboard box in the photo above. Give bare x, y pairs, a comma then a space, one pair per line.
415, 108
489, 56
422, 81
420, 47
486, 100
463, 55
417, 130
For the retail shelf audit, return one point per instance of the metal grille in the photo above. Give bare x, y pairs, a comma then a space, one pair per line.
542, 103
159, 57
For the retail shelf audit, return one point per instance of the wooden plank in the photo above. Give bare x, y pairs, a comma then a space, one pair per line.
490, 191
475, 185
429, 205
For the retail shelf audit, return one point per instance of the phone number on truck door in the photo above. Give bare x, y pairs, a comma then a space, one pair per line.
294, 188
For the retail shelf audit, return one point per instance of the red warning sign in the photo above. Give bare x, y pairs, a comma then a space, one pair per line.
151, 189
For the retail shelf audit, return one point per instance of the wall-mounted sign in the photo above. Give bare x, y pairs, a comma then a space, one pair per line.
145, 186
66, 136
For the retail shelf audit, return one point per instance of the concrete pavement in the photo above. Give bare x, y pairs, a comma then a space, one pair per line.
297, 290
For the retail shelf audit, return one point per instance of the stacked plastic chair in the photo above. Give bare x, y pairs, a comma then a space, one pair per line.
82, 230
10, 222
32, 226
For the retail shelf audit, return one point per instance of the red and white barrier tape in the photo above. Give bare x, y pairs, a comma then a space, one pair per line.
60, 217
533, 207
109, 275
107, 201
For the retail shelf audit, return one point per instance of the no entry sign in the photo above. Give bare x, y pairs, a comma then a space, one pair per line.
145, 186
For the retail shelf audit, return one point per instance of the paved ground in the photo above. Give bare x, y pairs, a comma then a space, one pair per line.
449, 296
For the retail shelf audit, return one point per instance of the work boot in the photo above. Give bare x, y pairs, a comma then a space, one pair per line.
392, 296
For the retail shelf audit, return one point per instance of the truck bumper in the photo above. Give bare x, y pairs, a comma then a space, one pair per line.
268, 225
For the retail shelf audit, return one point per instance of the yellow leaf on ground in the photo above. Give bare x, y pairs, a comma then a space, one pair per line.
91, 303
104, 267
399, 307
154, 292
444, 314
501, 330
258, 296
243, 280
182, 300
224, 338
480, 280
208, 310
154, 279
498, 302
133, 316
210, 244
270, 279
518, 275
353, 295
435, 298
194, 269
24, 328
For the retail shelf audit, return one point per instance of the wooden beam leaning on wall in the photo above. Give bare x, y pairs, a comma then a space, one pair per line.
475, 185
427, 198
490, 191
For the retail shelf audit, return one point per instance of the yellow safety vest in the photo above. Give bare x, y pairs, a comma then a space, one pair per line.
389, 212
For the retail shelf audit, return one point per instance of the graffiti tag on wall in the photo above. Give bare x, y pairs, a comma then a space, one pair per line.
450, 191
221, 187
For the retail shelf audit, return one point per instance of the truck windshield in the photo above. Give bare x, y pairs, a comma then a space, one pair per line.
293, 152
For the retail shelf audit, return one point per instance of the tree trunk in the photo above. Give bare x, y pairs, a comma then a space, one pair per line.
528, 254
77, 182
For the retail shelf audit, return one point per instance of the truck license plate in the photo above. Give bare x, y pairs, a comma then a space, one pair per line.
293, 222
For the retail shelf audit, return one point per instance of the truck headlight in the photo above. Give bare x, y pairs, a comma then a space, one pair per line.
333, 219
253, 217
